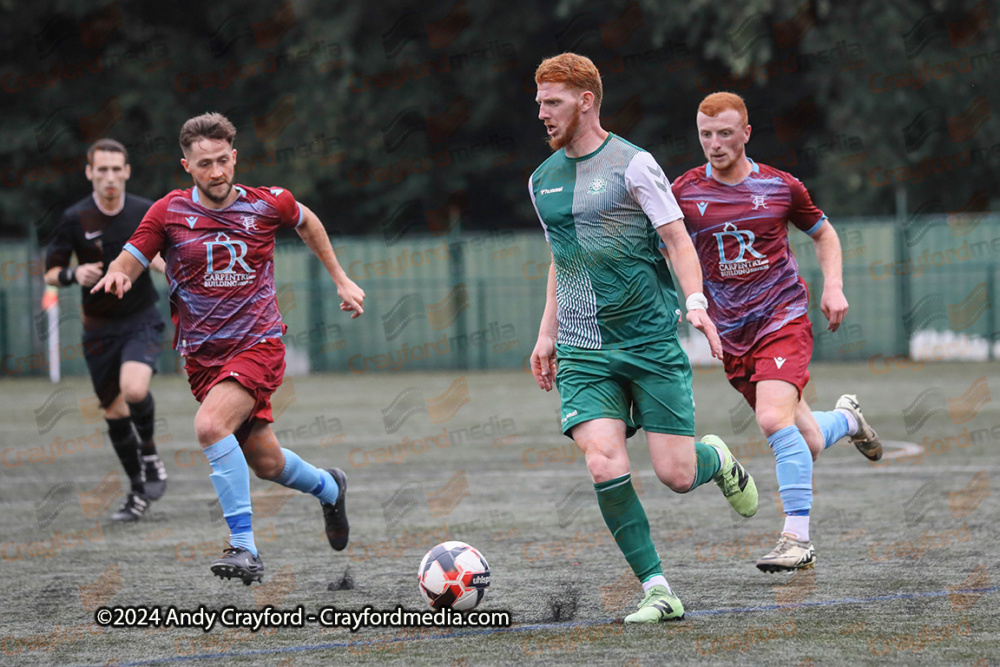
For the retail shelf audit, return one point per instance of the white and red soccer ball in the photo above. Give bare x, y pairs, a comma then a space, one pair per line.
453, 574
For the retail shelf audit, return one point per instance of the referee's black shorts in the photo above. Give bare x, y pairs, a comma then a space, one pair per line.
106, 347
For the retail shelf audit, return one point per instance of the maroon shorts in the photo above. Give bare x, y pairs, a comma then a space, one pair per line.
780, 355
259, 369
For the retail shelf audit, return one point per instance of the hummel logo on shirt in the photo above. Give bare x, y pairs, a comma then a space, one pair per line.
191, 219
546, 191
779, 361
702, 205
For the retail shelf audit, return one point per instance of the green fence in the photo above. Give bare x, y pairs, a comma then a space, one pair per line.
474, 301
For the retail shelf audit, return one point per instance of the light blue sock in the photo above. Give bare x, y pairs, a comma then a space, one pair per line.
240, 532
834, 426
231, 479
307, 478
794, 469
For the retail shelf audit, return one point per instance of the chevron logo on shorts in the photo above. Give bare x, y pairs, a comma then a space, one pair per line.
779, 361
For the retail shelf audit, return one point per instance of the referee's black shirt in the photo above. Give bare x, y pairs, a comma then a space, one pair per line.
95, 237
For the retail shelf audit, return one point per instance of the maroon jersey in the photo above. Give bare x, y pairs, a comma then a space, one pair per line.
741, 235
220, 265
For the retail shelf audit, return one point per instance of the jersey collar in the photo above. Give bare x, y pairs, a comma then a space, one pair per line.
196, 198
592, 153
753, 167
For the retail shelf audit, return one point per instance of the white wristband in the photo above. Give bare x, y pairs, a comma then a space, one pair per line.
696, 301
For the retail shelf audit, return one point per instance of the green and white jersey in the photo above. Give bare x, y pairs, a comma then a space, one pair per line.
599, 212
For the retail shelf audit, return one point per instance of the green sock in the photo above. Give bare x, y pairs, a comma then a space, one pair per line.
627, 521
708, 464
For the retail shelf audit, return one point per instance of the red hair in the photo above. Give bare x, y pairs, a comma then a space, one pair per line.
573, 71
716, 103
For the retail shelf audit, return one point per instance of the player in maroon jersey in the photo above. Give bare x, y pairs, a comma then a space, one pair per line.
737, 213
218, 241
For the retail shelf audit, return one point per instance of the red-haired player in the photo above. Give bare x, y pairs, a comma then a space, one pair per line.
737, 213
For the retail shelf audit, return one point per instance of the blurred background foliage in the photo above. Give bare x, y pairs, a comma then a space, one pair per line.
413, 115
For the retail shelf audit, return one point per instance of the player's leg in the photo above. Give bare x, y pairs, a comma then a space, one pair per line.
270, 461
596, 413
603, 444
809, 426
102, 352
825, 429
126, 447
776, 403
141, 346
664, 405
677, 463
134, 380
860, 431
684, 465
224, 408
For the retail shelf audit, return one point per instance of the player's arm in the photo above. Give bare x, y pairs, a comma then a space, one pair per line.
833, 302
650, 187
316, 239
89, 274
543, 357
142, 249
121, 274
84, 274
58, 272
687, 269
158, 263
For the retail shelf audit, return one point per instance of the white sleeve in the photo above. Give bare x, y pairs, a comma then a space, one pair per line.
649, 185
531, 193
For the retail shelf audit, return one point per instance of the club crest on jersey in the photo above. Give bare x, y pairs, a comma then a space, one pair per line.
597, 186
759, 201
702, 205
223, 248
739, 265
249, 222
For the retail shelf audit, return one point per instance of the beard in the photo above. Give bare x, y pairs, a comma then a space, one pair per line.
213, 198
567, 135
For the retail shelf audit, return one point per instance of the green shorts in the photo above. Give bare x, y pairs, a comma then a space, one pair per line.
646, 387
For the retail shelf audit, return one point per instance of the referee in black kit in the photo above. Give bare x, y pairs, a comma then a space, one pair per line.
121, 337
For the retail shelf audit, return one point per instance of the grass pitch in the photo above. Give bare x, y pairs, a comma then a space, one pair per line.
907, 568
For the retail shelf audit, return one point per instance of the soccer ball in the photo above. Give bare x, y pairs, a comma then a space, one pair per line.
455, 575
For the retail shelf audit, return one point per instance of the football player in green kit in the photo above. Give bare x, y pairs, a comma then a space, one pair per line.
610, 319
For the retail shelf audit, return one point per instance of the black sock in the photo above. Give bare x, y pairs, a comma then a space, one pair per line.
127, 448
143, 414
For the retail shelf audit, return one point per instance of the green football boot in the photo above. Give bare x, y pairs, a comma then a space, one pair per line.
736, 483
657, 606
